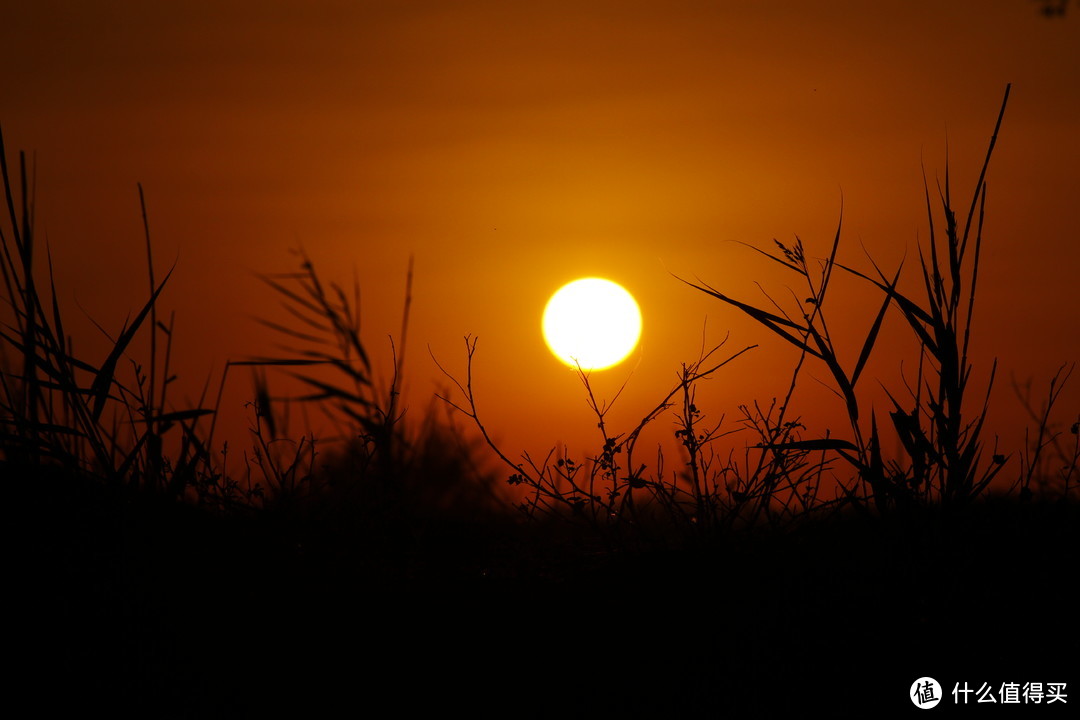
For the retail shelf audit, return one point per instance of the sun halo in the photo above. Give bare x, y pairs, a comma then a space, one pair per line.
591, 323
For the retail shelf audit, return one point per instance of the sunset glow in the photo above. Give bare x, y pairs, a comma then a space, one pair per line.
706, 358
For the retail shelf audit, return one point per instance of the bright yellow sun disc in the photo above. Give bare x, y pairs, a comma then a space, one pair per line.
592, 323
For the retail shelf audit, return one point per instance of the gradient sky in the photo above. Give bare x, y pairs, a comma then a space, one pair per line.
512, 147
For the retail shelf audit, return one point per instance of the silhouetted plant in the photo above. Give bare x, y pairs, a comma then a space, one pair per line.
330, 338
778, 480
943, 447
373, 465
92, 419
60, 409
1050, 458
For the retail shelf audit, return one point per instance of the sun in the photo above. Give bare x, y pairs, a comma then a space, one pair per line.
592, 323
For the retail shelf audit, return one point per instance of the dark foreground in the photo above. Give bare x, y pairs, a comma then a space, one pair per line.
129, 607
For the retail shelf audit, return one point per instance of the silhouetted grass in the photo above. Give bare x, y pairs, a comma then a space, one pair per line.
113, 420
163, 575
935, 421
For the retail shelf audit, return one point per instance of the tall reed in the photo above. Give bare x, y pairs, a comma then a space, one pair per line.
942, 443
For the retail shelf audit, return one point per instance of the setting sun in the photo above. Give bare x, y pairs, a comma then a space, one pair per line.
592, 323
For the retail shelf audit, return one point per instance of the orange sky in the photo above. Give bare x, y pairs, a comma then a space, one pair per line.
511, 147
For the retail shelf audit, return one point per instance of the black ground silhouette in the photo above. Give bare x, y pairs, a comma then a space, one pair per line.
142, 607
